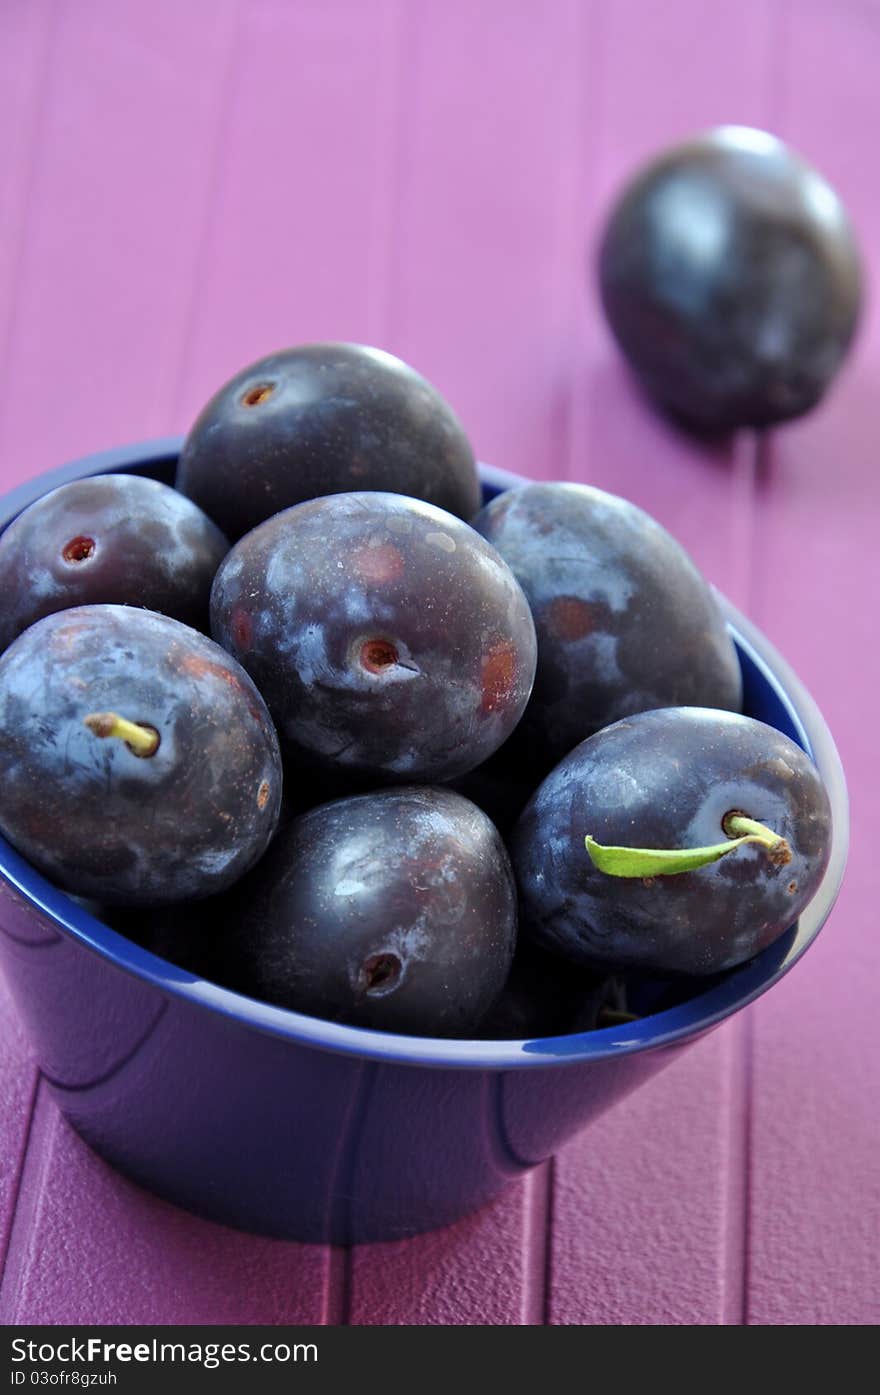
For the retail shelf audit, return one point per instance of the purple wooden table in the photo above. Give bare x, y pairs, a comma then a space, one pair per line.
187, 184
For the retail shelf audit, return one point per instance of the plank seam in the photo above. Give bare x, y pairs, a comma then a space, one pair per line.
6, 1235
35, 141
536, 1245
748, 1049
339, 1295
552, 1182
31, 1183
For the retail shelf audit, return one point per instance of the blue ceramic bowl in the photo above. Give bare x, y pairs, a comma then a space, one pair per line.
296, 1127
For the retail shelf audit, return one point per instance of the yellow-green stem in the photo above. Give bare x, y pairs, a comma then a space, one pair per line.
141, 740
645, 863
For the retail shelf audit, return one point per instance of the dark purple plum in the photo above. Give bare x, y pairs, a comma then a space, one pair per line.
730, 278
394, 910
324, 419
672, 779
119, 539
138, 762
387, 637
624, 619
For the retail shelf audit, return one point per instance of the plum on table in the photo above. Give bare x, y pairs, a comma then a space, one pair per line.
652, 791
115, 539
730, 277
394, 910
324, 419
387, 637
138, 762
624, 619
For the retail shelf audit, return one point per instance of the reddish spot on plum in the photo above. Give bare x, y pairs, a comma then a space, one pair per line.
499, 673
263, 794
377, 655
67, 640
242, 628
197, 666
378, 565
79, 549
569, 618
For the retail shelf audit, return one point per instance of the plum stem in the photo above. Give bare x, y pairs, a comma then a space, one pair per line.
141, 740
667, 862
738, 825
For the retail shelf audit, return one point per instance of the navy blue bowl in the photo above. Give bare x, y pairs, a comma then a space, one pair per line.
295, 1127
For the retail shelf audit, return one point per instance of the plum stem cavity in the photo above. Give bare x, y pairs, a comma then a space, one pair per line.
377, 655
140, 739
258, 394
666, 862
380, 973
78, 549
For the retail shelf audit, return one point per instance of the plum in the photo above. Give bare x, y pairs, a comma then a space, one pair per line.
324, 419
387, 637
744, 801
730, 277
394, 910
138, 762
116, 538
624, 619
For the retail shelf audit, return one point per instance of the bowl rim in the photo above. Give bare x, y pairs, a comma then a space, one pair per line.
673, 1026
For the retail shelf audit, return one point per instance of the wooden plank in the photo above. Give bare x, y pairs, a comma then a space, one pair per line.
18, 1084
26, 35
647, 1220
649, 1202
815, 1185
